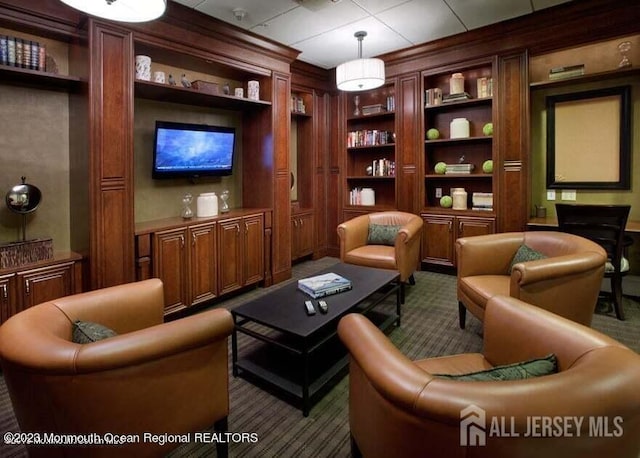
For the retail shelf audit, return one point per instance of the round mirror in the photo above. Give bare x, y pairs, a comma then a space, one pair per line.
23, 198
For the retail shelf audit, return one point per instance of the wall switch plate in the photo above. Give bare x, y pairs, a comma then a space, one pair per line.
568, 195
438, 192
551, 194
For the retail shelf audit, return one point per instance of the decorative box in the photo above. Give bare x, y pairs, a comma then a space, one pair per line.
19, 253
205, 86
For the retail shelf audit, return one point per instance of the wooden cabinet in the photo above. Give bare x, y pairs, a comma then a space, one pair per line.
241, 257
200, 259
440, 232
301, 235
370, 159
29, 285
185, 260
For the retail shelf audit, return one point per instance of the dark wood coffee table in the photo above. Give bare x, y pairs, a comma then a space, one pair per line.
301, 356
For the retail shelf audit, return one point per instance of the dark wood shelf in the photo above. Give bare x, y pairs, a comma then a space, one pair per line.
188, 96
384, 145
457, 176
376, 208
299, 114
35, 78
589, 78
450, 211
370, 177
383, 114
443, 141
468, 102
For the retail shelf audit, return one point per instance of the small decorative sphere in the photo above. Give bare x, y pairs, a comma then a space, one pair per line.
433, 134
369, 170
440, 168
446, 201
487, 166
487, 129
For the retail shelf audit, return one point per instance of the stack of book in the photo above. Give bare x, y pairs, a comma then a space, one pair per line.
482, 201
566, 72
373, 109
453, 169
432, 97
485, 87
456, 97
324, 285
383, 168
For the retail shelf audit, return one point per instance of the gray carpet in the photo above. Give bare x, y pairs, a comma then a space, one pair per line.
429, 328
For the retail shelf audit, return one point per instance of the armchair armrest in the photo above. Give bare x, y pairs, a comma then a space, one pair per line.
155, 343
486, 254
353, 234
391, 373
555, 268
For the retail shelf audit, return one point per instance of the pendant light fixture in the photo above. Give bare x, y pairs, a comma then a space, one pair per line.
121, 10
360, 74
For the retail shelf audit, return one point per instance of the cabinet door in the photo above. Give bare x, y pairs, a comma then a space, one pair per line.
8, 298
45, 284
230, 258
472, 226
253, 255
170, 264
437, 239
305, 235
203, 261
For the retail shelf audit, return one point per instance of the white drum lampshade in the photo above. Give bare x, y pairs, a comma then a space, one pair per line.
121, 10
360, 74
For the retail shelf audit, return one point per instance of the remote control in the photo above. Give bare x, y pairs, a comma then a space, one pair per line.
324, 308
310, 308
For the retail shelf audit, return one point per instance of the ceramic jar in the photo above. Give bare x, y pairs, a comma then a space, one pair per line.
459, 128
456, 84
367, 196
207, 205
143, 68
253, 90
459, 196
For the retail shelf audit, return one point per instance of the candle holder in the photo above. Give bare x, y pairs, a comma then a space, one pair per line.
187, 200
224, 197
356, 102
624, 48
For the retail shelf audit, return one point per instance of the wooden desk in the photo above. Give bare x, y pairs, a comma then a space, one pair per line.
552, 224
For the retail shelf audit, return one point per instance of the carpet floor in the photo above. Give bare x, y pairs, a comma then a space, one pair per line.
429, 328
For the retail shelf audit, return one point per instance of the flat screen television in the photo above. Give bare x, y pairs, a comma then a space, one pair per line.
192, 150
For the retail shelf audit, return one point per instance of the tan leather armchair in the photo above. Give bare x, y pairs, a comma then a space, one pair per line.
404, 256
567, 282
397, 408
151, 377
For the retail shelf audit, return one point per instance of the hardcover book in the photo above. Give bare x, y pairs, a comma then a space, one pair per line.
324, 285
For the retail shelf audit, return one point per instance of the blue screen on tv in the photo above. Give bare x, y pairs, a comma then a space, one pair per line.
191, 150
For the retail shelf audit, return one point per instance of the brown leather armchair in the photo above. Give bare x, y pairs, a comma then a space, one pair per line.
397, 408
567, 282
404, 256
151, 377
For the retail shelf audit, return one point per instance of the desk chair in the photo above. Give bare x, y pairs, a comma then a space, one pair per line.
604, 224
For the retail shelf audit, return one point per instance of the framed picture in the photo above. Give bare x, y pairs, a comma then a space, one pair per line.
589, 139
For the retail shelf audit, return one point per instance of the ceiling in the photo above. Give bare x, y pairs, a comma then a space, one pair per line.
323, 29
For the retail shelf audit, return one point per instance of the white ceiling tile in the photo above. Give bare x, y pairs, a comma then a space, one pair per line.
478, 13
420, 21
330, 49
301, 23
376, 6
189, 3
258, 11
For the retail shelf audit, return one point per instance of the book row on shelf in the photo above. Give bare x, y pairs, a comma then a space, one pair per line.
566, 72
383, 168
434, 96
22, 53
362, 196
297, 105
369, 138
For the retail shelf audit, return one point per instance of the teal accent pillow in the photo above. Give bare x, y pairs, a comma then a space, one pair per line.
517, 371
87, 332
382, 234
524, 254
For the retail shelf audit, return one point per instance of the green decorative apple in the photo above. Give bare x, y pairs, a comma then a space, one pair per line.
446, 201
487, 166
487, 129
440, 168
433, 134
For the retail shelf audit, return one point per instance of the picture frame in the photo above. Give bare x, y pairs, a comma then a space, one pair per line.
589, 139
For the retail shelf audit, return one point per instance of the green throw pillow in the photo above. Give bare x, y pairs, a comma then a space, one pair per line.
517, 371
87, 332
382, 234
524, 254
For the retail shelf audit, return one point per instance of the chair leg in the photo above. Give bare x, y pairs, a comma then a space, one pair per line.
412, 280
355, 451
462, 314
402, 292
222, 447
616, 295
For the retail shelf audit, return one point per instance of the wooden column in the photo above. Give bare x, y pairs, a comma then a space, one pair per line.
408, 122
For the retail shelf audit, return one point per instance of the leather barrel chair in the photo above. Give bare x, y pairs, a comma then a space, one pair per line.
398, 408
567, 282
151, 377
403, 256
